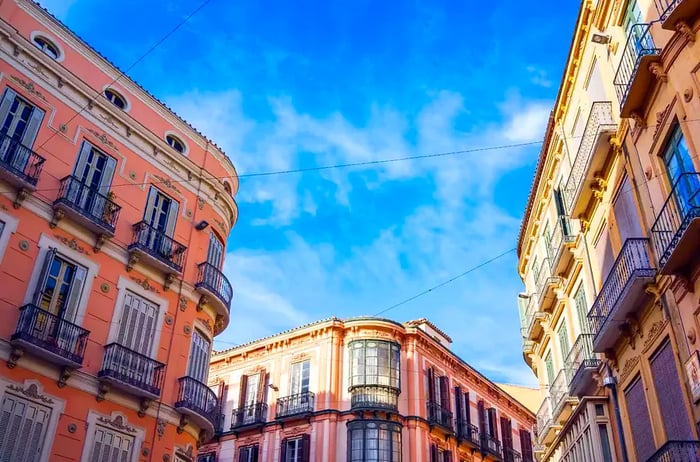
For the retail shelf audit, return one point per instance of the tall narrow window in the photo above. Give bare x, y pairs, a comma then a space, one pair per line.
22, 429
507, 438
372, 441
94, 168
526, 448
161, 212
374, 373
20, 122
300, 372
295, 449
549, 366
638, 412
625, 210
215, 251
252, 398
137, 324
60, 286
111, 445
198, 366
680, 168
582, 309
564, 340
670, 394
248, 453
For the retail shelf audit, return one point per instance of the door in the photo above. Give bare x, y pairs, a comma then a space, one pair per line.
160, 216
93, 174
20, 124
299, 386
680, 171
198, 366
215, 251
136, 331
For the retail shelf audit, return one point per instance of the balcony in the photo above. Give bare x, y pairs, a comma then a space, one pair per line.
634, 74
374, 397
561, 401
47, 336
531, 326
675, 231
562, 238
511, 455
491, 446
545, 283
87, 206
677, 451
19, 165
675, 12
546, 430
215, 289
198, 401
468, 433
299, 405
156, 248
131, 371
252, 415
439, 415
590, 157
623, 292
581, 364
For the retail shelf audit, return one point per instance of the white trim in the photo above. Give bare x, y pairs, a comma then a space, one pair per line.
119, 92
93, 268
10, 228
56, 407
178, 137
123, 285
51, 40
91, 421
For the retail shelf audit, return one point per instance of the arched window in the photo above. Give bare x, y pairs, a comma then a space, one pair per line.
371, 440
115, 98
176, 143
47, 46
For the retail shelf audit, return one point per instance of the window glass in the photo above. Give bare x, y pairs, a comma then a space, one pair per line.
48, 47
115, 98
372, 441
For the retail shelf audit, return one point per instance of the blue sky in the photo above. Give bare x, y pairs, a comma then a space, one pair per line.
282, 85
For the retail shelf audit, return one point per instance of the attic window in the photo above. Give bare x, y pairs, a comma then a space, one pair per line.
115, 98
175, 143
47, 46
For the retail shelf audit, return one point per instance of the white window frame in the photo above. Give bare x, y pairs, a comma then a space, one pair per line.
54, 42
44, 244
57, 408
9, 229
92, 421
124, 285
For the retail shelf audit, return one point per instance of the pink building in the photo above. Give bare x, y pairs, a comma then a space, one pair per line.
362, 389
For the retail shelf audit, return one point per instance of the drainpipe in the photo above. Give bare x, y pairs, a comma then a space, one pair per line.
610, 382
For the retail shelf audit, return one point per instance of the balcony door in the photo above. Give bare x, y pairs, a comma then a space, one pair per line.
215, 251
299, 385
160, 215
680, 169
20, 124
137, 327
252, 392
198, 366
93, 173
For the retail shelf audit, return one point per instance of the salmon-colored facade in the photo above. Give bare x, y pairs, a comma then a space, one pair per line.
114, 214
362, 389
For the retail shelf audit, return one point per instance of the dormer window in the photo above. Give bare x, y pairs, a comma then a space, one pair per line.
115, 98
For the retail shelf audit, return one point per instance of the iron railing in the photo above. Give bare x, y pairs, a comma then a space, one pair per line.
681, 207
210, 278
251, 414
666, 7
300, 403
631, 263
158, 245
600, 120
639, 44
51, 333
562, 233
468, 432
20, 160
580, 357
374, 397
198, 397
544, 416
559, 390
677, 451
491, 445
511, 455
439, 415
88, 202
529, 315
132, 368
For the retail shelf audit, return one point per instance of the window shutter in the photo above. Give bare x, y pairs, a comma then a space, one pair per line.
671, 400
448, 456
493, 423
111, 444
137, 324
642, 434
526, 446
433, 453
7, 99
81, 161
255, 453
431, 385
76, 290
467, 409
305, 448
32, 127
107, 174
444, 392
283, 450
506, 433
242, 455
458, 409
564, 340
262, 387
172, 218
242, 390
483, 429
43, 275
198, 366
22, 428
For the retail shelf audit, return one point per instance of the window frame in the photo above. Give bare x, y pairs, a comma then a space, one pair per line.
250, 448
392, 429
393, 358
104, 420
9, 228
106, 91
170, 135
44, 37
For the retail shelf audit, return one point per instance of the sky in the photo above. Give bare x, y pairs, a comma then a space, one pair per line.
289, 85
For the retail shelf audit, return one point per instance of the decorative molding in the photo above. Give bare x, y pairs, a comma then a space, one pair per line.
660, 118
72, 244
167, 182
145, 284
32, 392
207, 324
200, 203
300, 356
658, 70
654, 331
117, 422
183, 303
687, 31
187, 452
688, 94
103, 138
221, 226
630, 364
160, 428
29, 86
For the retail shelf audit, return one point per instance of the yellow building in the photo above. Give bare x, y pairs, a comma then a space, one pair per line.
606, 250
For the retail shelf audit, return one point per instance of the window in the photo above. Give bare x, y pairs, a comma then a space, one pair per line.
198, 366
215, 251
208, 457
374, 362
582, 309
670, 394
439, 455
137, 324
549, 366
252, 394
462, 412
2, 227
526, 446
371, 441
295, 449
20, 123
115, 98
111, 445
605, 442
564, 340
59, 286
507, 438
175, 143
680, 168
47, 46
248, 453
93, 168
638, 412
22, 429
299, 373
160, 213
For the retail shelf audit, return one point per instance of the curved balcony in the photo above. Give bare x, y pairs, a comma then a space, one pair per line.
299, 405
50, 337
87, 206
677, 451
623, 292
634, 74
215, 289
155, 248
131, 371
439, 415
546, 430
198, 401
253, 415
19, 165
371, 397
581, 364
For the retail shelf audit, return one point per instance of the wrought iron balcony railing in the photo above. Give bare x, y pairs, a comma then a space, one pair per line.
544, 417
468, 432
631, 264
158, 246
674, 12
301, 403
374, 397
439, 415
558, 390
580, 359
639, 45
210, 278
20, 161
511, 455
677, 451
89, 203
561, 234
63, 341
682, 206
195, 396
132, 369
491, 445
252, 414
600, 121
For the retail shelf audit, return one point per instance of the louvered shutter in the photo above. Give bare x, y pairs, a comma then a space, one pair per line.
242, 390
107, 174
526, 446
198, 366
431, 385
111, 446
172, 218
242, 455
483, 427
137, 324
493, 423
81, 161
254, 457
283, 450
467, 409
22, 429
458, 410
43, 275
31, 130
444, 393
670, 394
433, 453
7, 99
638, 412
262, 387
305, 448
507, 437
76, 290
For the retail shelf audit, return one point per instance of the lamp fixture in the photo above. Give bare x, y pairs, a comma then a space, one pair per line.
202, 225
601, 39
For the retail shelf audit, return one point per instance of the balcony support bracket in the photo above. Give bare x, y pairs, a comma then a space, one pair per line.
684, 28
100, 241
22, 194
102, 390
169, 279
63, 376
15, 354
133, 259
57, 216
202, 301
144, 404
182, 424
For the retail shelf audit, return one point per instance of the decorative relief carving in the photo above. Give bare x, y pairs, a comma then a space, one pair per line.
145, 284
183, 303
102, 137
160, 428
72, 244
630, 364
167, 182
29, 86
658, 71
186, 452
660, 118
32, 392
687, 31
200, 203
298, 430
221, 226
688, 94
207, 323
109, 120
117, 422
300, 356
654, 332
